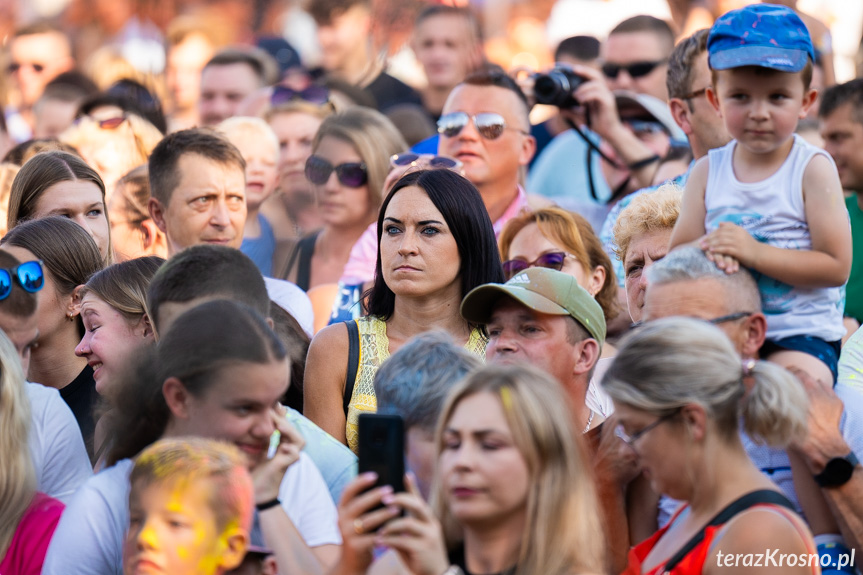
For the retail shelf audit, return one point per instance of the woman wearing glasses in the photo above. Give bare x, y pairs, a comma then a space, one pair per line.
69, 258
348, 166
679, 390
436, 243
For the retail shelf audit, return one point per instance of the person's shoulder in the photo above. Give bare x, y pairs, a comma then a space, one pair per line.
763, 527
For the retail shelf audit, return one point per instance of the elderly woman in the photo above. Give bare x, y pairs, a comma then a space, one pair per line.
680, 394
642, 234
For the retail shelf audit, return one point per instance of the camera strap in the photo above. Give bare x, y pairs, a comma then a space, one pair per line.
591, 147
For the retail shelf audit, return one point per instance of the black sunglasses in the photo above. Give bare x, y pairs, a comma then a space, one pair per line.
314, 94
635, 70
29, 276
551, 260
351, 174
489, 125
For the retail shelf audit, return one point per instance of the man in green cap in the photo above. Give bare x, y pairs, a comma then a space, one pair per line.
544, 318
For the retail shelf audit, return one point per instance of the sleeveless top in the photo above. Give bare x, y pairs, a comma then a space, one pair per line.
772, 211
693, 562
301, 258
262, 248
374, 350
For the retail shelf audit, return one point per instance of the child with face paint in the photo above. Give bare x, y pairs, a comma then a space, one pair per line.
190, 509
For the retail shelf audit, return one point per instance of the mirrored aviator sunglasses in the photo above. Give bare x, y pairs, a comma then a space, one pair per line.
551, 260
314, 94
351, 174
29, 276
409, 160
489, 125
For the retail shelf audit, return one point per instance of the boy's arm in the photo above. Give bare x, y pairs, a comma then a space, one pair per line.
827, 264
690, 223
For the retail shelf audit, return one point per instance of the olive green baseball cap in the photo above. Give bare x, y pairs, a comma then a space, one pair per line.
543, 290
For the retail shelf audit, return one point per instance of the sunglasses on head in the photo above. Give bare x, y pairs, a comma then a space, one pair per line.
15, 66
635, 70
489, 125
29, 276
411, 160
351, 174
314, 94
551, 260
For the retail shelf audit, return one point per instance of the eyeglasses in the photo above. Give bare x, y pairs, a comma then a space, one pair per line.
715, 321
350, 174
631, 439
489, 125
314, 94
29, 276
411, 160
551, 260
15, 66
635, 70
695, 94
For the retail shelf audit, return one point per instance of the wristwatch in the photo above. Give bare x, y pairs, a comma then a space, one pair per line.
838, 471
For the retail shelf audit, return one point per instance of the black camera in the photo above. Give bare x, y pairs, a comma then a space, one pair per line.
556, 87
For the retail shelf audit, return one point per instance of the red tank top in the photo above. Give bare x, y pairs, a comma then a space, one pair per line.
693, 562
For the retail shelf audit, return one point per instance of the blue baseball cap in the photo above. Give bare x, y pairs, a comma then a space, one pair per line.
764, 35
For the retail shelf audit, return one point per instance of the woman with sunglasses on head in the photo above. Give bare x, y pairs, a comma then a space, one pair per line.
186, 385
435, 244
513, 491
62, 184
28, 517
679, 391
69, 258
348, 166
112, 141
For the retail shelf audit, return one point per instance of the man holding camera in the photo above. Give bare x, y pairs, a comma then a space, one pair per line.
631, 156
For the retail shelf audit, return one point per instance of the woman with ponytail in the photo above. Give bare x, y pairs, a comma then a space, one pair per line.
680, 392
27, 517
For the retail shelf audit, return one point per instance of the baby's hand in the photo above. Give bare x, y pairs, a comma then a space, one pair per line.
730, 246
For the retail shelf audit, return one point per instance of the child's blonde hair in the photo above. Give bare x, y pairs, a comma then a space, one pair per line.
191, 459
249, 125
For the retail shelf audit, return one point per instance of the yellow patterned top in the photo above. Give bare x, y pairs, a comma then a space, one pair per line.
374, 349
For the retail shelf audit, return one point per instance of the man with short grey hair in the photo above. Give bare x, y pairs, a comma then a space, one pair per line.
414, 383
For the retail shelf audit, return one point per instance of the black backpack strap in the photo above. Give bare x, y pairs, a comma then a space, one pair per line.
741, 504
353, 361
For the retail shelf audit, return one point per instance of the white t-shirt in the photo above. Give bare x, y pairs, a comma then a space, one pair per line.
89, 537
58, 451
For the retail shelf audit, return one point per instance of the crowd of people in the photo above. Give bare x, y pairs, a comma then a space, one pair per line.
622, 338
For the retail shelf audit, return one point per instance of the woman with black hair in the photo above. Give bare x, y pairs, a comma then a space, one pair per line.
435, 244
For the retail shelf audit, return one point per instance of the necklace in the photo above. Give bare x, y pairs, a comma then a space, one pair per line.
589, 421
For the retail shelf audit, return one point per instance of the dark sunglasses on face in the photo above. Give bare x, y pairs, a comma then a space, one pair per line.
635, 70
551, 260
15, 66
314, 94
489, 125
410, 160
29, 276
352, 174
107, 124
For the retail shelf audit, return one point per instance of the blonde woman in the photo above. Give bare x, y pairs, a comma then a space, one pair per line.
113, 142
679, 392
27, 517
513, 490
642, 234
